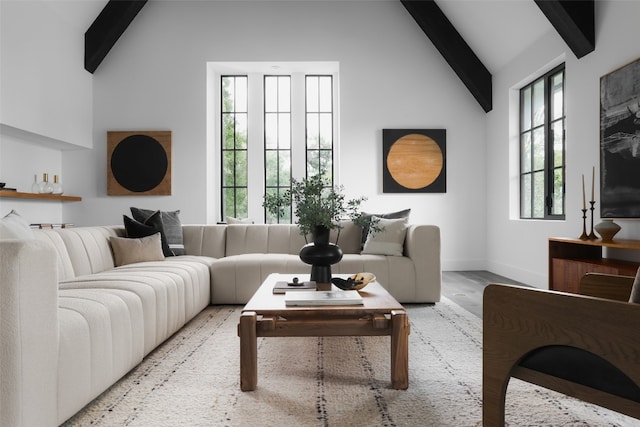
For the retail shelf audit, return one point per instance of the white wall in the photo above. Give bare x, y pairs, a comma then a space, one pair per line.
391, 76
45, 95
517, 248
45, 89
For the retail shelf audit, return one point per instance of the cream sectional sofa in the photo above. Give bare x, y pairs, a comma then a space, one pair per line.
72, 323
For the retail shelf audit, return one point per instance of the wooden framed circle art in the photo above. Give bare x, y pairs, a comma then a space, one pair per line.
414, 160
139, 163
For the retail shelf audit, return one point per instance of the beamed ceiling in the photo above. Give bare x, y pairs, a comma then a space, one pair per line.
574, 20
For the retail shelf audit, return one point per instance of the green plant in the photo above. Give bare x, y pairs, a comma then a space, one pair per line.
317, 204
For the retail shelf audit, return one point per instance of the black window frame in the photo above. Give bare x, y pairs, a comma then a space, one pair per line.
550, 168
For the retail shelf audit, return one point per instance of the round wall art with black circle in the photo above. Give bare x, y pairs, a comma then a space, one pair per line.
139, 163
414, 161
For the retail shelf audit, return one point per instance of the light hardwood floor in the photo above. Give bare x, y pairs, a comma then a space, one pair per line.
465, 288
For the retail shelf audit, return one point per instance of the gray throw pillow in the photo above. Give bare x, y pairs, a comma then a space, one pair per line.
635, 290
171, 227
136, 229
393, 215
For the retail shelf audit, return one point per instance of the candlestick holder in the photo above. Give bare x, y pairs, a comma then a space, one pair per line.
592, 235
584, 235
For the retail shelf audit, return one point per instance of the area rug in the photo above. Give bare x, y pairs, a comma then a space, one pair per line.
193, 380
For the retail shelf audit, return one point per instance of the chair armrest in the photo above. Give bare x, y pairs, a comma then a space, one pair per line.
518, 320
607, 286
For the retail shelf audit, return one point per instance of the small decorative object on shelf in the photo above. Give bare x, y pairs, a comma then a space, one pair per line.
45, 186
592, 202
592, 235
607, 229
35, 187
57, 187
584, 235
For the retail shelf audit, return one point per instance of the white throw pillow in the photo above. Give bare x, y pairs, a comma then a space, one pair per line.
128, 251
390, 241
231, 220
13, 226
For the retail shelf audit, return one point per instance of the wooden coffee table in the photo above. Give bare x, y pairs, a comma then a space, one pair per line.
266, 315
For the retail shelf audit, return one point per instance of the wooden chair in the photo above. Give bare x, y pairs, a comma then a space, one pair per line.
585, 346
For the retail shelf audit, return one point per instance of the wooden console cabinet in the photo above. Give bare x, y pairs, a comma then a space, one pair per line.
570, 259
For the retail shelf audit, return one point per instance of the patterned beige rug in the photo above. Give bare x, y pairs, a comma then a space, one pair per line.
193, 380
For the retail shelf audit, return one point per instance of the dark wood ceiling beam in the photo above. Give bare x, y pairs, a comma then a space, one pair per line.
574, 20
107, 28
453, 48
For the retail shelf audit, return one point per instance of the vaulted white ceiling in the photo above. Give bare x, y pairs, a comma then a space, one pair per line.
496, 30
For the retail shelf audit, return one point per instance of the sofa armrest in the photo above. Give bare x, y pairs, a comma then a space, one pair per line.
607, 286
422, 245
28, 333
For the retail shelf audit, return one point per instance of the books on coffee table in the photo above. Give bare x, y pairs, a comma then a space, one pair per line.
282, 287
322, 298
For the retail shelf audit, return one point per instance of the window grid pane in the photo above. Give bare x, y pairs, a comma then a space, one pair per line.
542, 147
277, 140
319, 126
234, 169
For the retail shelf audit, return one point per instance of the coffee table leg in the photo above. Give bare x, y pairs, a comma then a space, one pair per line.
248, 351
399, 350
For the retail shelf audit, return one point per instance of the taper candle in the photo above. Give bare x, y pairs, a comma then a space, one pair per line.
584, 199
593, 179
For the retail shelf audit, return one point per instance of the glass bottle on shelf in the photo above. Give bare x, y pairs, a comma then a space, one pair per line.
35, 187
47, 187
57, 187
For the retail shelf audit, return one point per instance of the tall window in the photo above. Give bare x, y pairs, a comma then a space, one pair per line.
294, 114
542, 147
234, 119
277, 139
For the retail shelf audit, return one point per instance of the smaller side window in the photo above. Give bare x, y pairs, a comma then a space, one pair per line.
542, 147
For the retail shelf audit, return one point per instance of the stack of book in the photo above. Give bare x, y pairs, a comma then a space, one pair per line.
322, 298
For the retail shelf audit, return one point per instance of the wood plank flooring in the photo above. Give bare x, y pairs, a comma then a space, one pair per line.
465, 288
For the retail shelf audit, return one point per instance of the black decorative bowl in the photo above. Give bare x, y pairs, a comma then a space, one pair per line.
353, 282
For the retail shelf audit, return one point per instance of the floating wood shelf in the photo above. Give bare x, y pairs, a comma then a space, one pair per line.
38, 196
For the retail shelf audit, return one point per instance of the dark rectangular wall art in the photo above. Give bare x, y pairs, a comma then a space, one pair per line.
139, 163
620, 142
414, 161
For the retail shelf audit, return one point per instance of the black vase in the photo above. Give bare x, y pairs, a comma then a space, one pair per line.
321, 255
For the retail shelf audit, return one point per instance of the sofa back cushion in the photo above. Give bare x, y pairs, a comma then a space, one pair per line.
263, 239
283, 239
205, 240
65, 268
89, 249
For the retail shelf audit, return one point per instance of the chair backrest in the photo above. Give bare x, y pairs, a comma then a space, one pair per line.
607, 286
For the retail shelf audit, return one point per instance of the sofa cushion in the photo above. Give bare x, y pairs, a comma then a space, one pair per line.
348, 237
170, 224
88, 248
153, 225
13, 226
389, 241
130, 250
391, 215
